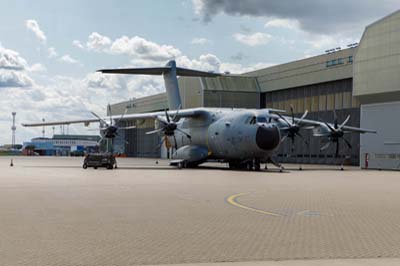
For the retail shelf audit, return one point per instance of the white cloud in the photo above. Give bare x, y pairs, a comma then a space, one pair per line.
37, 68
253, 39
283, 23
78, 44
68, 59
141, 48
98, 42
200, 41
33, 26
10, 59
52, 52
11, 78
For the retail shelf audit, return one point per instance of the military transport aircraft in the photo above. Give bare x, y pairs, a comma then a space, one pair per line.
244, 138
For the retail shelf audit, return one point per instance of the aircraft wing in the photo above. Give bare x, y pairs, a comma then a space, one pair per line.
315, 123
308, 122
59, 123
180, 114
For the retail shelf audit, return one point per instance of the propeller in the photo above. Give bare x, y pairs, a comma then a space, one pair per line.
110, 129
293, 128
168, 127
336, 133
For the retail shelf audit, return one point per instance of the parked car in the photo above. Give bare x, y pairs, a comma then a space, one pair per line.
96, 160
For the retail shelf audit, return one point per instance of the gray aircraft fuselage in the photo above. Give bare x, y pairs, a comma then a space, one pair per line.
228, 134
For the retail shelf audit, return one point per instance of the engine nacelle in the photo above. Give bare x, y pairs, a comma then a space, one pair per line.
192, 153
321, 130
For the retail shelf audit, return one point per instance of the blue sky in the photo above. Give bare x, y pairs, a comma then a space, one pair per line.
49, 50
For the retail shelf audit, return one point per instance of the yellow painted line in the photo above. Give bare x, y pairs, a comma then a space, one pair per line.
233, 201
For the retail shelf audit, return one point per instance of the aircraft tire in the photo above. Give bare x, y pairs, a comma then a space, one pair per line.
84, 166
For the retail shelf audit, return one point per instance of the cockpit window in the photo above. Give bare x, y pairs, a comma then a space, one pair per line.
252, 120
261, 119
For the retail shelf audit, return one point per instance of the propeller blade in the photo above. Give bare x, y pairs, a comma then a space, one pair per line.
122, 116
302, 118
109, 112
154, 131
101, 119
347, 142
130, 127
162, 120
345, 122
292, 112
335, 119
177, 112
175, 144
325, 146
183, 132
167, 116
292, 142
337, 149
158, 146
284, 119
101, 139
329, 126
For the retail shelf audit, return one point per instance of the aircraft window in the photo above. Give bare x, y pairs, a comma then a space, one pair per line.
261, 119
253, 120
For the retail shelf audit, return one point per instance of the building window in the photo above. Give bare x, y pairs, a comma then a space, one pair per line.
340, 61
328, 63
350, 59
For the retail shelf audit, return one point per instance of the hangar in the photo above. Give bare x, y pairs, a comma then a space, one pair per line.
363, 81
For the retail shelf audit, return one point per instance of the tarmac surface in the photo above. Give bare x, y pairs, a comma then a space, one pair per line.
53, 212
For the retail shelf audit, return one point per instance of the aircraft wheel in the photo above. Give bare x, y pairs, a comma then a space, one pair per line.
95, 167
180, 165
84, 166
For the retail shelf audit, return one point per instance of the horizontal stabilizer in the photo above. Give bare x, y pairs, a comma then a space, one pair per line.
159, 71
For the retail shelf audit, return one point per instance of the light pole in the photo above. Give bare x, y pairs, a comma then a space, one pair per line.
13, 129
43, 130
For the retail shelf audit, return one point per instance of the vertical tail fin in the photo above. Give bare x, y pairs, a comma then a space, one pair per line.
171, 86
170, 73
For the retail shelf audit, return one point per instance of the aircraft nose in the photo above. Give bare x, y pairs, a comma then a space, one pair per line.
268, 137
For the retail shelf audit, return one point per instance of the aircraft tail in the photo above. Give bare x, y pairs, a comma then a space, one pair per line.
170, 73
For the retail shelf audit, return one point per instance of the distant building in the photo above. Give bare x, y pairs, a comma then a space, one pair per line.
64, 144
